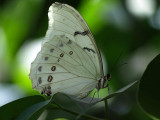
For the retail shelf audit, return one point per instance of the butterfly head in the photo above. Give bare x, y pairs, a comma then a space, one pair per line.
108, 77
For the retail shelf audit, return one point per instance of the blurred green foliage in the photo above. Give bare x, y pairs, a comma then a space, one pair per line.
117, 31
22, 104
149, 89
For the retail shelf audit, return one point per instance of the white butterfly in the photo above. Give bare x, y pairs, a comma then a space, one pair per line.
69, 60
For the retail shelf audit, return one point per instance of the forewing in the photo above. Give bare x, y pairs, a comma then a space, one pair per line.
65, 20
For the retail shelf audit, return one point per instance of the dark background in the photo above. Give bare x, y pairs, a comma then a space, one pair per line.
126, 32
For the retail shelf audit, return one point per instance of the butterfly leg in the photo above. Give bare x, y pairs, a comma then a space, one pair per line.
94, 95
108, 87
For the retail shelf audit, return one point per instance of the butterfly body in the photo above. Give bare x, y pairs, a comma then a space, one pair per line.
69, 60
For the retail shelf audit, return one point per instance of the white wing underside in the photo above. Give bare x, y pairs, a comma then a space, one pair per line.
77, 69
65, 20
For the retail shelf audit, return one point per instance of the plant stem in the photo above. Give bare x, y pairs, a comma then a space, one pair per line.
106, 109
76, 113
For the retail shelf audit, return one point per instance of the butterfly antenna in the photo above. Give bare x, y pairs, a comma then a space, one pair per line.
115, 62
108, 76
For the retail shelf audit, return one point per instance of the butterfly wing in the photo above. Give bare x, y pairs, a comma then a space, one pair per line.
63, 66
69, 60
64, 19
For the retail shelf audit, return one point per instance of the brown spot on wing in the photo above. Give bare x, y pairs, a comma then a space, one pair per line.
50, 78
39, 80
61, 45
46, 58
71, 52
58, 60
53, 68
51, 50
48, 93
40, 68
69, 42
61, 55
49, 87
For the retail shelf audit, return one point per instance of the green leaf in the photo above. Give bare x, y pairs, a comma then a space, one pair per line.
70, 104
34, 111
92, 101
120, 91
83, 105
149, 88
36, 104
57, 113
11, 110
56, 102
